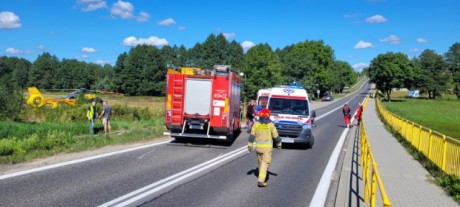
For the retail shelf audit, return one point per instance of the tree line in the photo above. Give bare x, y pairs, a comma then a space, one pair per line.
142, 70
431, 73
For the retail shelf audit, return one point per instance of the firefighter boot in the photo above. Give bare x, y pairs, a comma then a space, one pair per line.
262, 184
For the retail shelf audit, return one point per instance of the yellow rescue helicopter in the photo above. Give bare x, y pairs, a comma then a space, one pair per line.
36, 99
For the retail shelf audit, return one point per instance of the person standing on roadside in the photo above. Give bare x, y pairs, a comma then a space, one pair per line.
359, 113
250, 109
91, 115
106, 115
346, 115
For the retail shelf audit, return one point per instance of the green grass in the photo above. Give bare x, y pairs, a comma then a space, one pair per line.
40, 140
441, 115
45, 131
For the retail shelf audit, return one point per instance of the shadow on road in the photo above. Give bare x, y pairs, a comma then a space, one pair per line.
255, 172
355, 178
206, 143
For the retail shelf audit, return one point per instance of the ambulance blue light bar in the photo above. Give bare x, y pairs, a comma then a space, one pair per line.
291, 85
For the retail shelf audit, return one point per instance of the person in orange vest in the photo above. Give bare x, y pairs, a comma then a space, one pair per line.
346, 115
263, 133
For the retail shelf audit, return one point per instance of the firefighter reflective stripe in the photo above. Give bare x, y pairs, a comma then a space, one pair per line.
263, 139
268, 144
262, 176
263, 126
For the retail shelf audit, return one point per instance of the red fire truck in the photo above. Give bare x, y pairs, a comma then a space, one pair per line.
202, 103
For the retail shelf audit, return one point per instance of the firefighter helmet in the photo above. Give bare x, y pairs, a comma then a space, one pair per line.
264, 113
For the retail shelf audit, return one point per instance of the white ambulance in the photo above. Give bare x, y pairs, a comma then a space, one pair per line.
290, 112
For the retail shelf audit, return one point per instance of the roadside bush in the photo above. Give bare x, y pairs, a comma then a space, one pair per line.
68, 114
121, 112
6, 147
11, 101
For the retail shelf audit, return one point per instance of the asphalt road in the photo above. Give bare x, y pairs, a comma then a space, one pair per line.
175, 174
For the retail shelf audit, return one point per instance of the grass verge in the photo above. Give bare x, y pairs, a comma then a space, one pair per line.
44, 140
441, 115
45, 131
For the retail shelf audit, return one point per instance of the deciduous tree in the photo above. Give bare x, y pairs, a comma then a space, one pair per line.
262, 69
389, 71
434, 74
453, 63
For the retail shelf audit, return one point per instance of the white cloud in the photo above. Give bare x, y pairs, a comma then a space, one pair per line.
229, 35
167, 22
247, 45
91, 5
376, 19
122, 9
421, 40
360, 66
15, 51
12, 51
88, 50
415, 50
392, 39
362, 45
182, 28
9, 20
152, 40
143, 17
102, 62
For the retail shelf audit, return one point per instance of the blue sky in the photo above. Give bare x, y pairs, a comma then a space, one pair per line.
98, 31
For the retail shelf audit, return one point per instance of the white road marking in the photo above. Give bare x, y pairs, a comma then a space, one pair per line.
171, 180
330, 112
77, 161
143, 192
143, 155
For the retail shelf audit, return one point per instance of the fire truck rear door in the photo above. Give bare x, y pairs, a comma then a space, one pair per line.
198, 96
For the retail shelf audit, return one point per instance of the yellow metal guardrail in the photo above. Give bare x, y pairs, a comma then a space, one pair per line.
442, 150
370, 171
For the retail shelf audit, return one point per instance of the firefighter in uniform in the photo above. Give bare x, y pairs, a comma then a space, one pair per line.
263, 133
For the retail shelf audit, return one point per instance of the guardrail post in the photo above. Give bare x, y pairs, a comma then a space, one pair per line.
406, 134
374, 185
419, 137
444, 153
366, 178
413, 134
